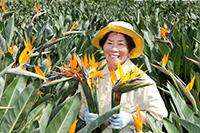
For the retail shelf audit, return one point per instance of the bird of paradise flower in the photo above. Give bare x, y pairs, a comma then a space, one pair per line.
6, 12
39, 13
87, 72
138, 120
165, 32
73, 28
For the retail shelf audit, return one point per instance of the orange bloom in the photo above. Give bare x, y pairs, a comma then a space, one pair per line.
37, 7
24, 57
39, 72
74, 26
49, 59
138, 120
3, 7
163, 32
190, 84
73, 127
165, 59
40, 92
11, 50
2, 53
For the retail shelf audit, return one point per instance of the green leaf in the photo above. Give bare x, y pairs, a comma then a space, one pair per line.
197, 118
3, 44
66, 116
12, 116
9, 30
176, 55
2, 84
184, 111
45, 117
54, 82
169, 126
33, 114
49, 44
155, 125
20, 72
9, 95
97, 122
6, 69
191, 127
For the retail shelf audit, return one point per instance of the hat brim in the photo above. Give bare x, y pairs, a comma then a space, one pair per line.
139, 43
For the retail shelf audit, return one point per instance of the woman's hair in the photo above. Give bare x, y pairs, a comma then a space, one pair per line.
129, 41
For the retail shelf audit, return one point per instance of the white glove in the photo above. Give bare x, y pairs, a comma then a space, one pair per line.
118, 121
89, 117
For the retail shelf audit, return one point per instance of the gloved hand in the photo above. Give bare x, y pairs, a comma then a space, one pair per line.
89, 117
118, 121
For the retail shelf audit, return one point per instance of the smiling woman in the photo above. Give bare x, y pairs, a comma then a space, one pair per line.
120, 42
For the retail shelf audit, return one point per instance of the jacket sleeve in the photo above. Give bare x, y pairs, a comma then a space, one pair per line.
153, 102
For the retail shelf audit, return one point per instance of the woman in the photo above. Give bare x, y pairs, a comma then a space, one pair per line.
120, 42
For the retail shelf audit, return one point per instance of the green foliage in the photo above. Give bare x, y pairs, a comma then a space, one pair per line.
24, 110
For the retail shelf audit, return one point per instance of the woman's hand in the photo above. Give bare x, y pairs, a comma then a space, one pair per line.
118, 121
89, 117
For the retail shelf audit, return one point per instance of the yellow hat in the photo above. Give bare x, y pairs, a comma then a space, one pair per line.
125, 28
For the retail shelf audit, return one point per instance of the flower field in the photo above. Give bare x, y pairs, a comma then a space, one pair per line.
46, 51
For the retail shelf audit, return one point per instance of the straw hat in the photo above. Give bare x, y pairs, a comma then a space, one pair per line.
125, 28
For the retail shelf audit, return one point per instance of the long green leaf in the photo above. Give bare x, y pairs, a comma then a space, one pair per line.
10, 95
66, 116
2, 84
33, 114
6, 69
54, 82
20, 72
97, 122
3, 44
197, 118
45, 117
9, 30
191, 127
49, 44
169, 126
12, 116
184, 111
155, 125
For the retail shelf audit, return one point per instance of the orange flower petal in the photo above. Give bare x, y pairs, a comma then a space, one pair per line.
73, 127
37, 7
121, 72
138, 124
74, 26
40, 92
138, 120
165, 59
33, 38
39, 72
49, 59
2, 6
2, 53
163, 32
113, 76
190, 84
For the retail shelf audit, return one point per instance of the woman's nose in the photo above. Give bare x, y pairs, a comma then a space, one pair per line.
114, 48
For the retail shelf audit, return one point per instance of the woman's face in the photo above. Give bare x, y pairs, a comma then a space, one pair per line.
115, 50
